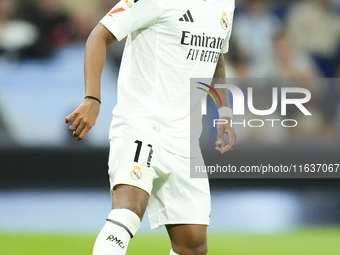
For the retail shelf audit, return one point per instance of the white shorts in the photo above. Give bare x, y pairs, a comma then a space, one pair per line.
175, 198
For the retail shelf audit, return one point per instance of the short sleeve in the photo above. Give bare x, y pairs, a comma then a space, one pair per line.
130, 15
225, 46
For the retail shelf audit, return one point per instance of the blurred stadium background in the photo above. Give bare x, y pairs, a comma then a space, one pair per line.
50, 184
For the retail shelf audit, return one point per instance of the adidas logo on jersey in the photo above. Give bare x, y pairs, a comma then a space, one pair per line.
187, 17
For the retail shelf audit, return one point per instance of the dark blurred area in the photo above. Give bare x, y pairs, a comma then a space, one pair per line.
38, 29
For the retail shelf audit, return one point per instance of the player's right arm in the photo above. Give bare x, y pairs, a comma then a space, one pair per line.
85, 116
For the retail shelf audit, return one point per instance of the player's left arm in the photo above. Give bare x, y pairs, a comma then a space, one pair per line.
225, 127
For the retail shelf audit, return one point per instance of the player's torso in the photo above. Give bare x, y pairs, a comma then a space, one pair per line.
159, 60
184, 43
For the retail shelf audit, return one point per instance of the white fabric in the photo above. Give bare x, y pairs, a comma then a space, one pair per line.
225, 112
126, 217
114, 239
173, 253
162, 53
175, 198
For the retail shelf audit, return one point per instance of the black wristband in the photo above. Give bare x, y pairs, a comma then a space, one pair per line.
94, 98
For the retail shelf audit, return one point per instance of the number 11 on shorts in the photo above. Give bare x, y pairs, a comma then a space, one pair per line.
139, 147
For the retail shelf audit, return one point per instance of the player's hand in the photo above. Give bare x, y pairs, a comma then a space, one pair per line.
227, 129
83, 118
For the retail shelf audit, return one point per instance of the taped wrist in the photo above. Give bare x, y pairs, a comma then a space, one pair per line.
225, 112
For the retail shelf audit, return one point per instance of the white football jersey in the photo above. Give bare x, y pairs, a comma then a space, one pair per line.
168, 42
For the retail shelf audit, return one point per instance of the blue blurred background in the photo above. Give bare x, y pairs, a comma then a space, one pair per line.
60, 183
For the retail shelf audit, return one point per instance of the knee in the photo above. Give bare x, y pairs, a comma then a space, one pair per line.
192, 249
188, 239
199, 250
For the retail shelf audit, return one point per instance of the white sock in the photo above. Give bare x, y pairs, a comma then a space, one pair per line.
121, 225
173, 253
